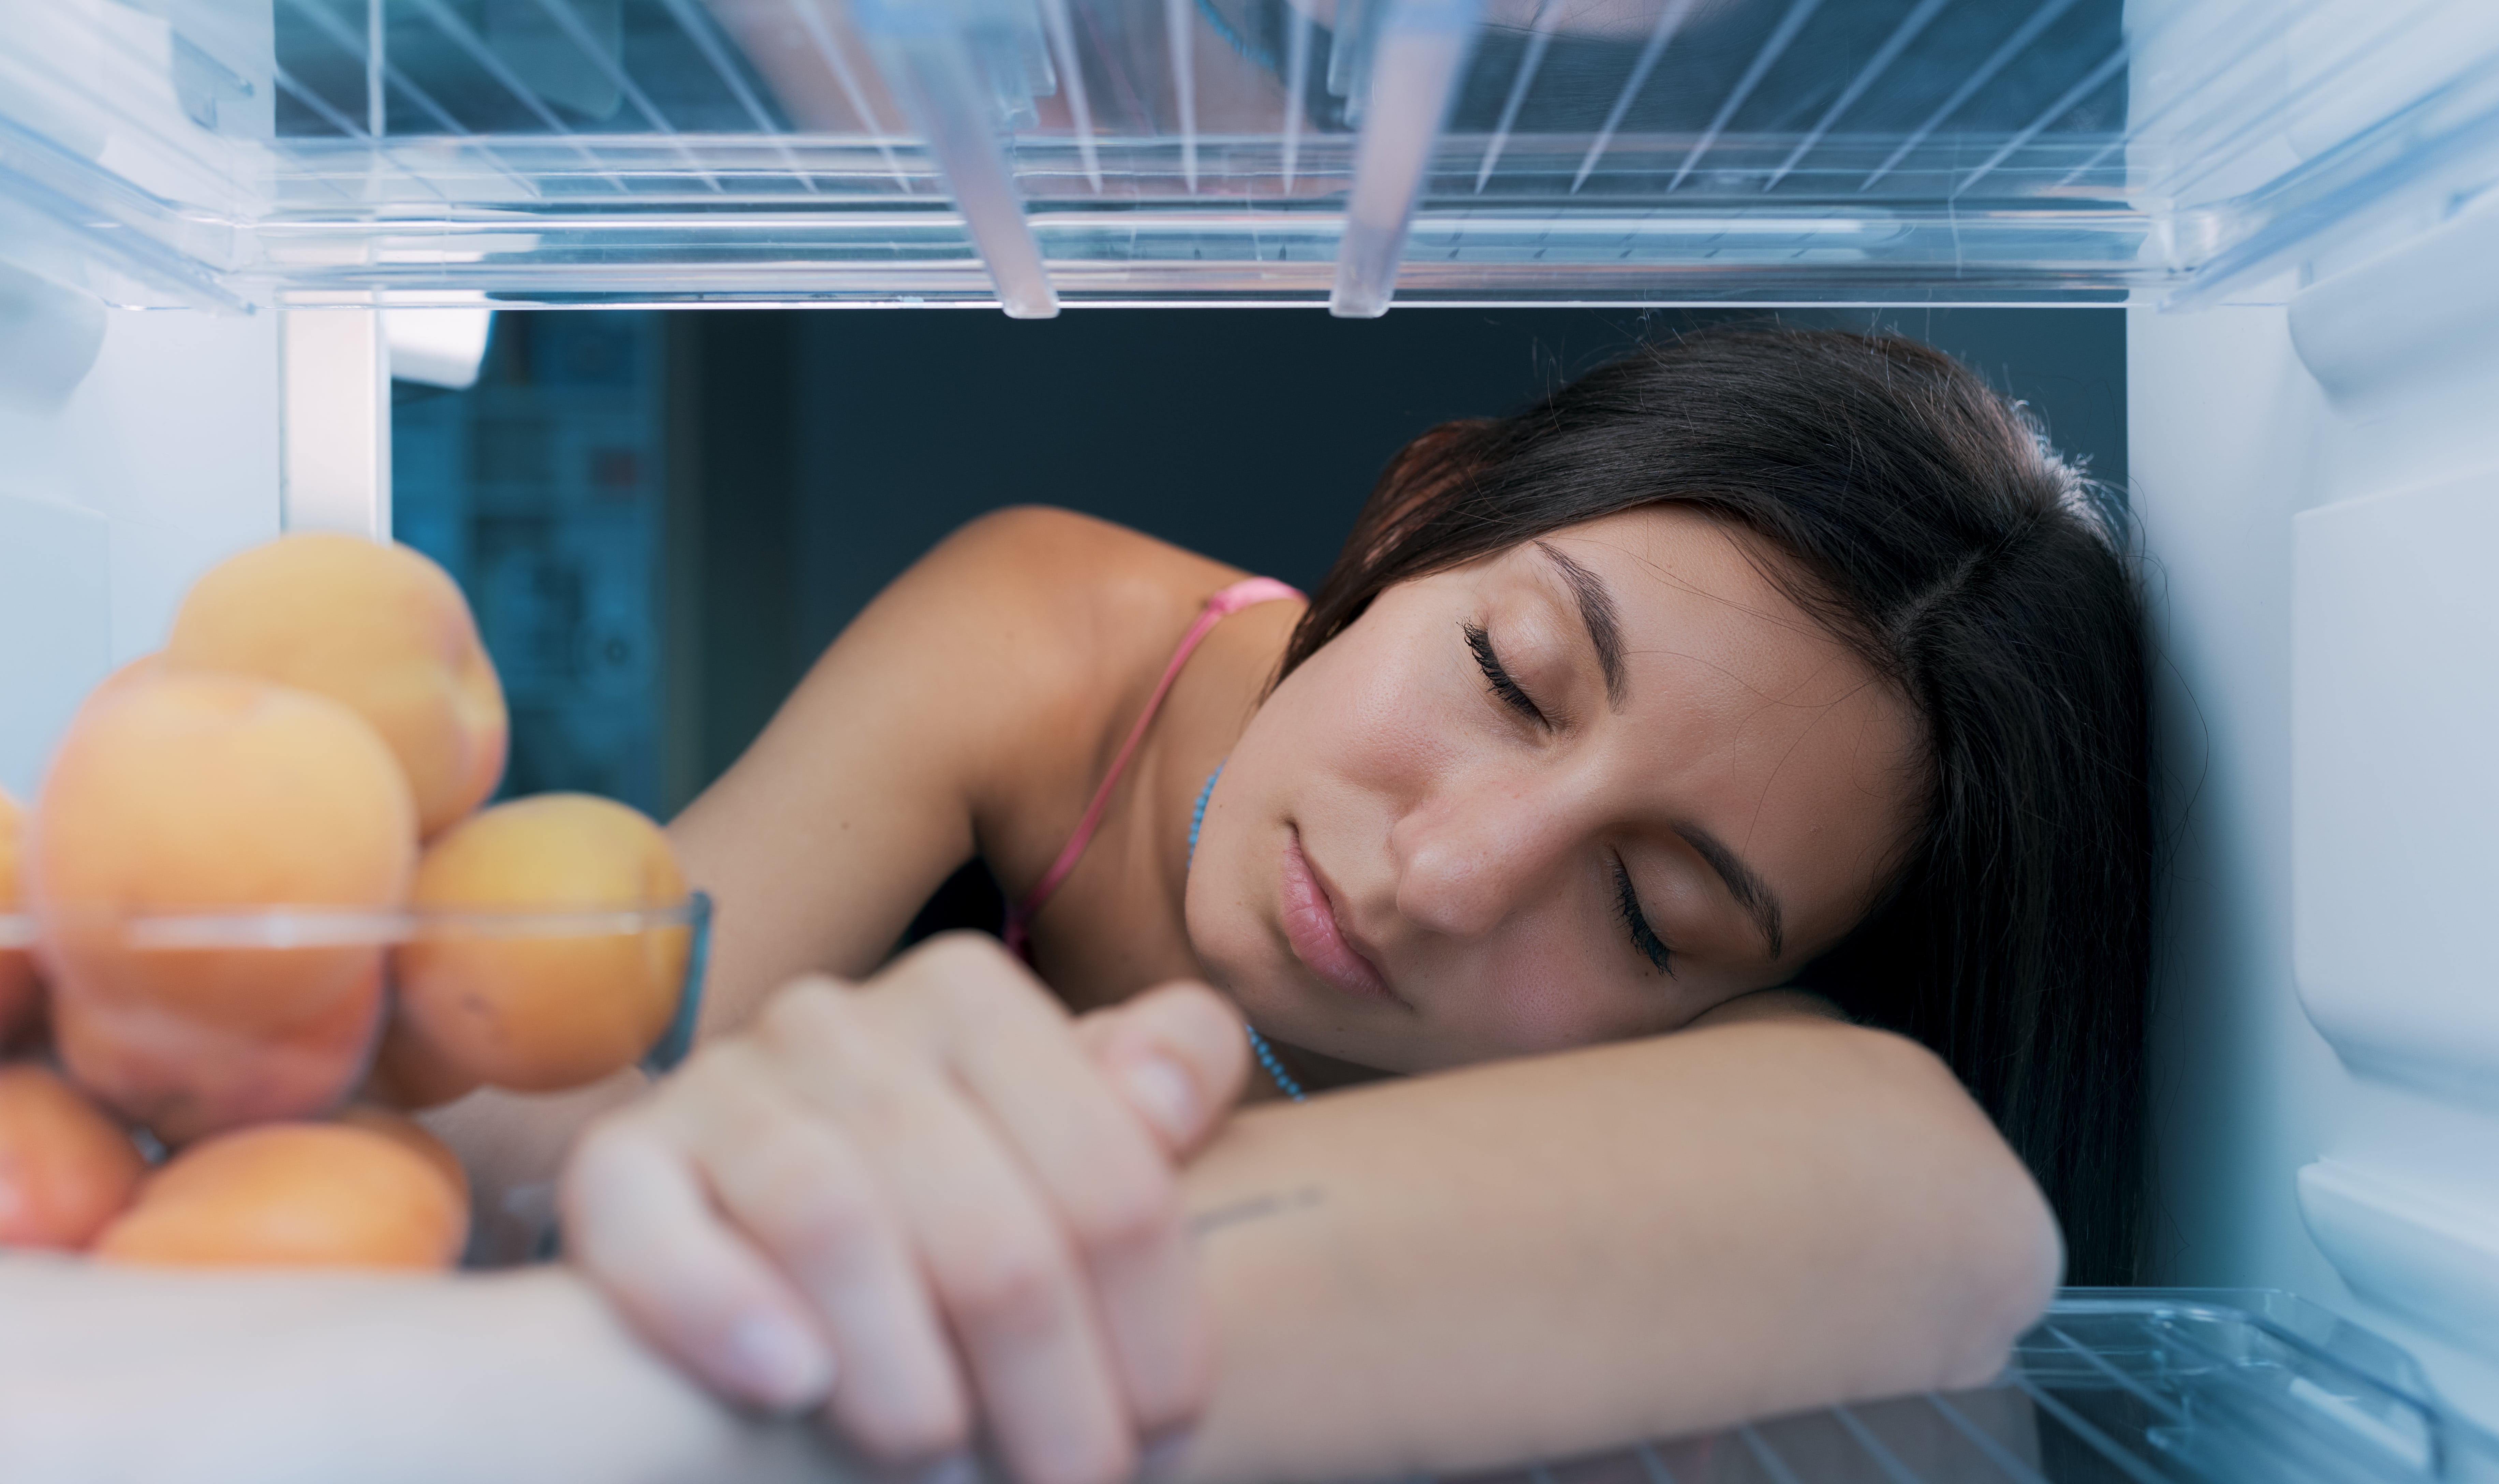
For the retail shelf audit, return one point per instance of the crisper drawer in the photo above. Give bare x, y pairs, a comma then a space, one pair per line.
1034, 152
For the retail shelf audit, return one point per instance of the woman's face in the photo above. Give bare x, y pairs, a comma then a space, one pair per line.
1584, 790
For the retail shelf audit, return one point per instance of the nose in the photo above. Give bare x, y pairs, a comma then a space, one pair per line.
1472, 852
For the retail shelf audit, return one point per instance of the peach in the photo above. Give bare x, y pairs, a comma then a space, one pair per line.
191, 792
537, 1015
20, 998
284, 1195
378, 628
65, 1167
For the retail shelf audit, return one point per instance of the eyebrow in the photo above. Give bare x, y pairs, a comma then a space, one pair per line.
1743, 882
1605, 636
1596, 610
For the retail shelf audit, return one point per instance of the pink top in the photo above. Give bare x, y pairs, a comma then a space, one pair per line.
1246, 593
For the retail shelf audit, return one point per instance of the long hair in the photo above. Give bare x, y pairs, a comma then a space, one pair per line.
1924, 521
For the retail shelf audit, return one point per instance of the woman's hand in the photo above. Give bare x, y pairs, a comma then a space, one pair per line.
934, 1201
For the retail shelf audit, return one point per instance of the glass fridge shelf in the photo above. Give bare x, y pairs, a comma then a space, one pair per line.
1033, 152
278, 928
2127, 1386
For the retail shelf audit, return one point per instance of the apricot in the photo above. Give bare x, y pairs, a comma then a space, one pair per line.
65, 1167
378, 628
418, 1139
202, 791
542, 1013
186, 1076
20, 998
293, 1195
135, 669
409, 1073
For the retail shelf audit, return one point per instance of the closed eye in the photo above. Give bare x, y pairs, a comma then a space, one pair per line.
1497, 677
1644, 938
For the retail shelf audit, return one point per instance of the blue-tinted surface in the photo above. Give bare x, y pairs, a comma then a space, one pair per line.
2113, 1386
541, 489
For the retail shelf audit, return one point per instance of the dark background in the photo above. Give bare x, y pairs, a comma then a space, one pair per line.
834, 447
795, 461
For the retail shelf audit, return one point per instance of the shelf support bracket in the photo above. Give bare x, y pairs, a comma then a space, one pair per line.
1422, 48
335, 422
925, 54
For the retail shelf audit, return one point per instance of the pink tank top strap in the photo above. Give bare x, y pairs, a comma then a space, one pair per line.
1227, 602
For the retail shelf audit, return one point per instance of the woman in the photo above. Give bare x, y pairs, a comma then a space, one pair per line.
1764, 687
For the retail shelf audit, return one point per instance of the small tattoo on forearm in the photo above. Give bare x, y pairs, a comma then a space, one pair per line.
1255, 1209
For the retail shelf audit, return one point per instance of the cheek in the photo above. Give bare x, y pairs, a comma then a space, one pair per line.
1542, 992
1359, 714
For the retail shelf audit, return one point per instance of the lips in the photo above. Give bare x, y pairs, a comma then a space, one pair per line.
1317, 938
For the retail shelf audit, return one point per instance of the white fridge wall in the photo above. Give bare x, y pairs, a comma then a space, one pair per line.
2223, 433
116, 489
2320, 493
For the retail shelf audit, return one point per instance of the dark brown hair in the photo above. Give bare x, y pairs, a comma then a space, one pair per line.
1924, 521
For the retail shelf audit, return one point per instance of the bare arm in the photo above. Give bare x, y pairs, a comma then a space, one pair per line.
983, 678
1568, 1252
147, 1376
856, 801
1508, 1260
1529, 1259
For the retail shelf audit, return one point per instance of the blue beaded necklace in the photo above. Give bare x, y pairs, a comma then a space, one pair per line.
1258, 1046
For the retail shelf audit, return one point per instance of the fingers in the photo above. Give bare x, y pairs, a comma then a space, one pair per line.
809, 1198
992, 1247
944, 1184
1104, 1176
1178, 1055
642, 1223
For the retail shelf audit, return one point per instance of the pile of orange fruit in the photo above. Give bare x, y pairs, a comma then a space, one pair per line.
306, 753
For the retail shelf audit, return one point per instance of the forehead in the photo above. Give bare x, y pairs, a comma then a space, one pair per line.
1696, 593
1738, 711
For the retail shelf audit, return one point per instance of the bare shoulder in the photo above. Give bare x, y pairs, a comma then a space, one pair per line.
1076, 618
1057, 568
1077, 607
958, 714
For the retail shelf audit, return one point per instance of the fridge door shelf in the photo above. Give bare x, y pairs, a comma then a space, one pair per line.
1035, 152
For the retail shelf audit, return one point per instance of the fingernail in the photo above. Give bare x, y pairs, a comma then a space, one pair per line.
1164, 1094
780, 1364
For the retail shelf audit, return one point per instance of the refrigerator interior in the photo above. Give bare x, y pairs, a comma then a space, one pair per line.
215, 215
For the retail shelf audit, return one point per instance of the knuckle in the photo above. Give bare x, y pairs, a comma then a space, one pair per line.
947, 954
968, 974
1205, 1021
1127, 1213
808, 1194
607, 1150
802, 1011
602, 1135
1009, 1285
